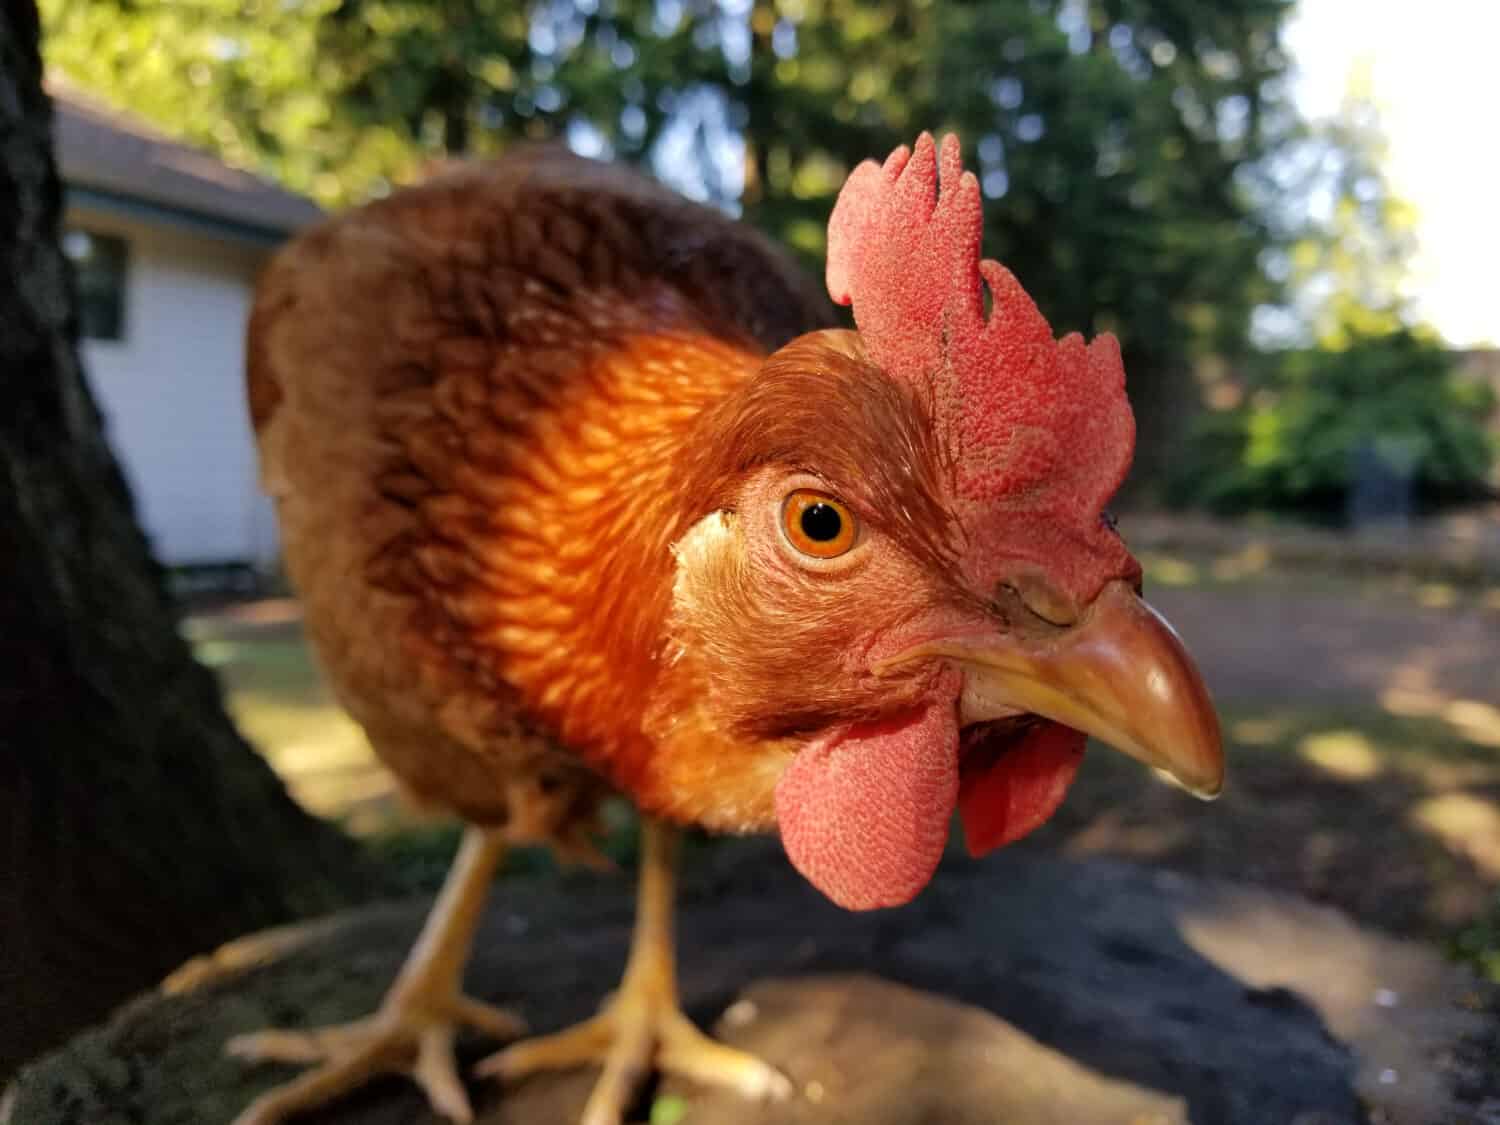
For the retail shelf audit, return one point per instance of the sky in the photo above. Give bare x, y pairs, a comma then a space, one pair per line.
1435, 73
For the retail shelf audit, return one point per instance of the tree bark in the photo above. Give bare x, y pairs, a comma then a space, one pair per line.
137, 827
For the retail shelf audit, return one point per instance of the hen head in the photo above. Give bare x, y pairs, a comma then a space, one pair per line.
906, 590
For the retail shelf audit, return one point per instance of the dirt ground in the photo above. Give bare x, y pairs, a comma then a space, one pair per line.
1403, 650
1363, 723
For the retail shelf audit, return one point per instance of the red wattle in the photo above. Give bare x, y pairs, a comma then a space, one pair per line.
864, 811
1003, 798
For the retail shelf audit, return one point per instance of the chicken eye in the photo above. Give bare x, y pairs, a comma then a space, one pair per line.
817, 524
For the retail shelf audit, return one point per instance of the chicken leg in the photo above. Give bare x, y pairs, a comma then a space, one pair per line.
413, 1030
642, 1024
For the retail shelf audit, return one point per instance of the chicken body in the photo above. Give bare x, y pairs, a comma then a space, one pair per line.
474, 402
477, 405
581, 492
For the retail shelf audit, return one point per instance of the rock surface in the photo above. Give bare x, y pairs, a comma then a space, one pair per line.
1025, 990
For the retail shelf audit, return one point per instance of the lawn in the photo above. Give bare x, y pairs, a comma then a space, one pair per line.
281, 702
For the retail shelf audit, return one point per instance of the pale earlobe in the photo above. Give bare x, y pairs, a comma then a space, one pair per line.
710, 560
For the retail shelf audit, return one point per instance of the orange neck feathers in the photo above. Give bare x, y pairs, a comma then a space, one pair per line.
573, 584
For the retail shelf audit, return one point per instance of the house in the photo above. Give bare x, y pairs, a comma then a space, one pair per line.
166, 242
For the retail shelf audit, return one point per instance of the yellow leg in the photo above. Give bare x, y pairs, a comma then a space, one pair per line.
642, 1025
412, 1032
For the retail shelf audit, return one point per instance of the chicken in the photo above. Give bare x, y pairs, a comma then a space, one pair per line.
583, 493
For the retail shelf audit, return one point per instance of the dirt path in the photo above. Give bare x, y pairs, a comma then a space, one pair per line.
1363, 732
1284, 645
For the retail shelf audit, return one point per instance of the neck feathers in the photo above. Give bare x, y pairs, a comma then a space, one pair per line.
577, 583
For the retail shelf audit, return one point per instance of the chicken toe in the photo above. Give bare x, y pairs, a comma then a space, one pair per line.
640, 1030
642, 1026
400, 1041
413, 1031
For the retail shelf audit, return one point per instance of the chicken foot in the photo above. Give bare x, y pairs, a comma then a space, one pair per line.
413, 1030
642, 1025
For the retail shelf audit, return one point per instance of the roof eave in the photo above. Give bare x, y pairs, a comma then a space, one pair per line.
128, 206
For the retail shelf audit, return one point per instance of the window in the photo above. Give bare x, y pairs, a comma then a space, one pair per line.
99, 262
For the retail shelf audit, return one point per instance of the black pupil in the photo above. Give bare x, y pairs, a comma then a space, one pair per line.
821, 522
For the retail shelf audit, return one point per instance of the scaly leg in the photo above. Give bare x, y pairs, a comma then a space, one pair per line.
642, 1025
413, 1030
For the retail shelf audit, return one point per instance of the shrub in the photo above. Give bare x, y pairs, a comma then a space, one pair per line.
1308, 417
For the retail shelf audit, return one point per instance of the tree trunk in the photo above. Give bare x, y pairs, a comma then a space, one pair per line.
137, 828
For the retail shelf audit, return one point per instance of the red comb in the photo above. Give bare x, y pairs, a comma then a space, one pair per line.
1039, 430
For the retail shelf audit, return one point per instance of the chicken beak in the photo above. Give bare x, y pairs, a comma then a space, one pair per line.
1120, 674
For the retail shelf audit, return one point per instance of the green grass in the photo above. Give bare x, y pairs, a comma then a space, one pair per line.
280, 700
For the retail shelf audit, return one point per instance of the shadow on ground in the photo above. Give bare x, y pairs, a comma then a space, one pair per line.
1395, 821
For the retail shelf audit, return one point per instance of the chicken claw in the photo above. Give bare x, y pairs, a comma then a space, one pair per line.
638, 1030
642, 1026
412, 1033
397, 1040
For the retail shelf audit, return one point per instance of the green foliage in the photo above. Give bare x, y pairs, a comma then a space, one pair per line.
1479, 945
1117, 140
1373, 383
1351, 238
1291, 445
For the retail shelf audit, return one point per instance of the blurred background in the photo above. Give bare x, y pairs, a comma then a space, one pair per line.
1284, 210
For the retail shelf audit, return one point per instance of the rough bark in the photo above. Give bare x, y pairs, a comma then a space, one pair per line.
136, 826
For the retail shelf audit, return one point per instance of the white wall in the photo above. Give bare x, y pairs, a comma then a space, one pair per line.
172, 393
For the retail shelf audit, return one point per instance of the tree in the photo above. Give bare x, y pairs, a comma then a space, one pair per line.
340, 99
1358, 387
1349, 240
1386, 400
1119, 140
139, 828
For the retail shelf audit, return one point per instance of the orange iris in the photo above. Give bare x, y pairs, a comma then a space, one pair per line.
817, 524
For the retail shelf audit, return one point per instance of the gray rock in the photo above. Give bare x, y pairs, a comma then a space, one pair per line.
1023, 989
863, 1051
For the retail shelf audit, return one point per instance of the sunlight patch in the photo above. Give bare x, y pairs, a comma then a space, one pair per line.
1475, 720
1436, 595
1259, 732
1253, 560
1169, 570
1466, 824
1345, 754
215, 654
1412, 702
